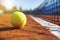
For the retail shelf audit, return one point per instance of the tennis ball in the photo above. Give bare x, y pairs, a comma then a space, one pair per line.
18, 19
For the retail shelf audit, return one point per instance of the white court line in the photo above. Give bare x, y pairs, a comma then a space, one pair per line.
54, 29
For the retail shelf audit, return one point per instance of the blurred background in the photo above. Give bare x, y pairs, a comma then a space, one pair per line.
38, 7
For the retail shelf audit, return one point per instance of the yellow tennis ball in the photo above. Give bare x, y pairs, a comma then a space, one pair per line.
18, 19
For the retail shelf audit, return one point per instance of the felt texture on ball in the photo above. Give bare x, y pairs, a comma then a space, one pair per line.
18, 19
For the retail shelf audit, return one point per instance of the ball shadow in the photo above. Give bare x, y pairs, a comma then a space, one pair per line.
9, 28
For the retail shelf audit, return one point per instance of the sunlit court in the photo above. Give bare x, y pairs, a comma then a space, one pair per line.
29, 19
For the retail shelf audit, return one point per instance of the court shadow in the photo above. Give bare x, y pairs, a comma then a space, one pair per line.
9, 28
1, 38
